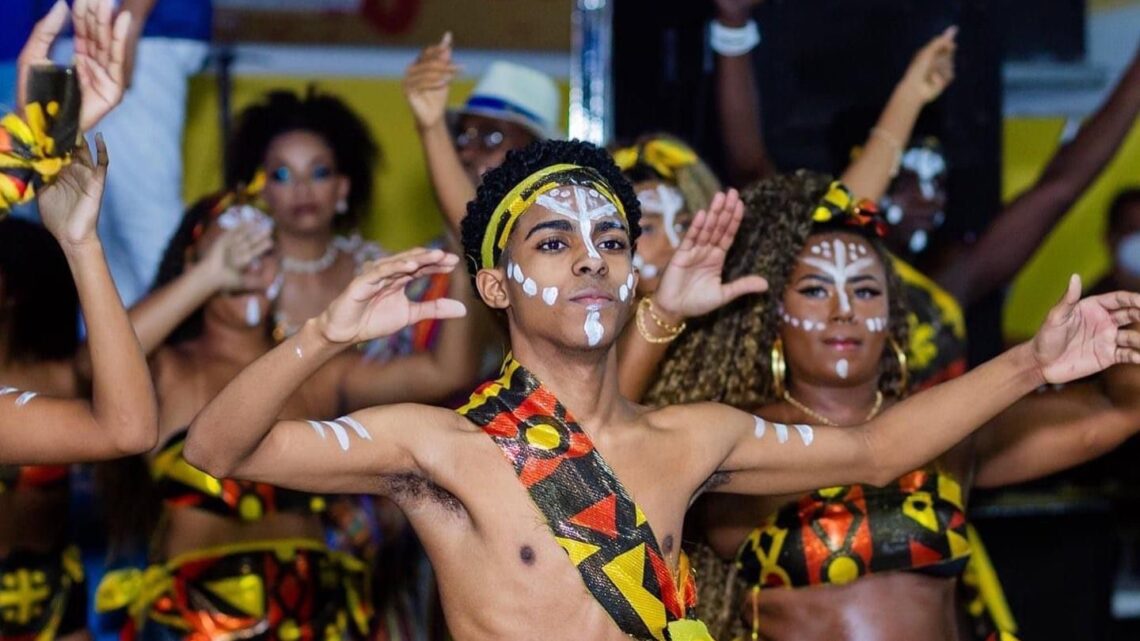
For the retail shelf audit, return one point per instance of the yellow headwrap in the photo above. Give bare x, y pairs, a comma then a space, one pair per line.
518, 201
664, 156
29, 156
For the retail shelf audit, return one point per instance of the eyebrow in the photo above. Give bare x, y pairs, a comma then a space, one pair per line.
610, 225
560, 225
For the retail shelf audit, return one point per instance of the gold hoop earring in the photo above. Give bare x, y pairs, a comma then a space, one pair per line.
904, 372
779, 367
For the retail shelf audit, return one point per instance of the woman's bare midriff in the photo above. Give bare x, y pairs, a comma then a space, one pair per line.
190, 530
894, 606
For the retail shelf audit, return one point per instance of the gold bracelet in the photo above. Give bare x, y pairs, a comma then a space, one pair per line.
649, 338
647, 303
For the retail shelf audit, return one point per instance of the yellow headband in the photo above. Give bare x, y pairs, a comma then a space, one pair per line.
662, 155
518, 201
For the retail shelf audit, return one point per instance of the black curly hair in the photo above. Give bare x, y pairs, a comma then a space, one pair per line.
353, 146
725, 356
521, 163
41, 305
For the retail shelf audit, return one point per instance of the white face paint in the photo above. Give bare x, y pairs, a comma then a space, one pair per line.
274, 289
530, 288
582, 204
840, 268
667, 201
807, 324
626, 288
23, 399
781, 430
918, 241
298, 352
252, 311
876, 324
647, 270
593, 326
549, 295
841, 367
928, 165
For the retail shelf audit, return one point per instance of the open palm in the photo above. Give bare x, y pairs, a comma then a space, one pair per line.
100, 54
375, 303
693, 284
1083, 337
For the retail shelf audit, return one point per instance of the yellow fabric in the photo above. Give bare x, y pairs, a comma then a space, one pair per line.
981, 574
515, 204
664, 156
26, 145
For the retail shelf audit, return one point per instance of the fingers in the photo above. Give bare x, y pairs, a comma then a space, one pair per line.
102, 159
693, 231
440, 308
743, 286
724, 219
407, 262
44, 34
1128, 338
1125, 316
103, 13
79, 22
120, 33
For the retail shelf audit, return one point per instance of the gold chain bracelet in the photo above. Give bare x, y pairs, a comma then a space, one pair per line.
673, 331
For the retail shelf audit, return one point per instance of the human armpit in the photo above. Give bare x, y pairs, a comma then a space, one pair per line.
1051, 431
352, 454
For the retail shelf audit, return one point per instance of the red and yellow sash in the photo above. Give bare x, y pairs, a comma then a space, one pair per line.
590, 513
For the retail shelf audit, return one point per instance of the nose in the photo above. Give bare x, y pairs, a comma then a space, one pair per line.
841, 309
590, 264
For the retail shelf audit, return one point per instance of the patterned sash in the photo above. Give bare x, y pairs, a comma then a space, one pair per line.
590, 513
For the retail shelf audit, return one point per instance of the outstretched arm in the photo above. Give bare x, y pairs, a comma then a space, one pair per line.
121, 418
930, 72
738, 104
691, 286
1053, 430
239, 434
426, 85
1079, 338
1010, 240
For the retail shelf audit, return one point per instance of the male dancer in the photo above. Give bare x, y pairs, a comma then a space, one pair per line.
511, 496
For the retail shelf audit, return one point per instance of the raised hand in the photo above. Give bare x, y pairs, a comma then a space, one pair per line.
230, 258
427, 82
692, 284
932, 68
1082, 337
100, 51
375, 303
69, 206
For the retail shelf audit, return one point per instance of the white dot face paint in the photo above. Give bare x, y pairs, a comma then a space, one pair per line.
761, 427
530, 288
841, 368
667, 201
646, 269
593, 326
840, 269
298, 352
549, 295
586, 206
252, 312
876, 324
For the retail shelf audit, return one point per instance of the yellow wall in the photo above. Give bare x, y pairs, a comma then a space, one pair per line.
1076, 244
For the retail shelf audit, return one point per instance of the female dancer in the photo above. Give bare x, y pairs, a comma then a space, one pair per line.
318, 158
825, 348
232, 557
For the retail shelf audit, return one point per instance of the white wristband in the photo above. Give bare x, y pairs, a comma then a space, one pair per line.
729, 41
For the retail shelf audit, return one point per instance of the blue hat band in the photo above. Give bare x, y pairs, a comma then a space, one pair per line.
498, 104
